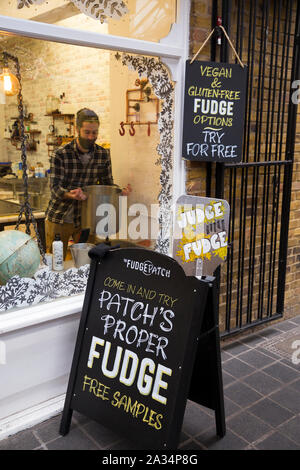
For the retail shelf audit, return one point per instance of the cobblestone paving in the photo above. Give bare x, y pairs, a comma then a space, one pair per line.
261, 388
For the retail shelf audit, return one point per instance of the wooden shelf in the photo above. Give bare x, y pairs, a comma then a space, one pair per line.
69, 121
58, 115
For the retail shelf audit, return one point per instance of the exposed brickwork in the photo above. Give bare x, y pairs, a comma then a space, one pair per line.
85, 85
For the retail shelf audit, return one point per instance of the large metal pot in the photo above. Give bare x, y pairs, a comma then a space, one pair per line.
100, 212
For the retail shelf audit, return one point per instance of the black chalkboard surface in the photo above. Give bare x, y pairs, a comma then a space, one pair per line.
214, 108
136, 346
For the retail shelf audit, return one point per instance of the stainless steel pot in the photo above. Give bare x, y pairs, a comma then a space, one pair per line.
100, 212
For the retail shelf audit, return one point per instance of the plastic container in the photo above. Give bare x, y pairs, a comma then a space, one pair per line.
58, 254
79, 253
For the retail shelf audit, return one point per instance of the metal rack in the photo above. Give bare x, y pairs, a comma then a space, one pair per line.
133, 118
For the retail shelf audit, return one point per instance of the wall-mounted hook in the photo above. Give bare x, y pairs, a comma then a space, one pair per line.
132, 129
122, 130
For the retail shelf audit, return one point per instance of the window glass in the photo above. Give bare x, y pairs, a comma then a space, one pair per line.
140, 19
57, 80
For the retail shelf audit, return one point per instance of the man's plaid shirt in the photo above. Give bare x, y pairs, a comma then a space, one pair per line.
67, 172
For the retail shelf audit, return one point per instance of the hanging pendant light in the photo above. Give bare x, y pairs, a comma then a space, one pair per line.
10, 83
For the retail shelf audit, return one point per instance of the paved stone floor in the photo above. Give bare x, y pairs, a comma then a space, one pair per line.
262, 404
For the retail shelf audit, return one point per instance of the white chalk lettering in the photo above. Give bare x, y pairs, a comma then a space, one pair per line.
149, 378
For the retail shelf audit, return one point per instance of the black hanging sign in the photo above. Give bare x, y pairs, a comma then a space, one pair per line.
214, 108
136, 346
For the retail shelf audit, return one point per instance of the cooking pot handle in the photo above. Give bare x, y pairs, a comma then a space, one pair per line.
114, 184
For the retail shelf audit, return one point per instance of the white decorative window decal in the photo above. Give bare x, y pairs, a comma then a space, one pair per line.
158, 76
97, 9
45, 286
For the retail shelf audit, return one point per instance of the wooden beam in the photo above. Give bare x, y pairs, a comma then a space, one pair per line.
58, 14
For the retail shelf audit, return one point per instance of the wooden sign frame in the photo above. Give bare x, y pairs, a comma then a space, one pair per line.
185, 381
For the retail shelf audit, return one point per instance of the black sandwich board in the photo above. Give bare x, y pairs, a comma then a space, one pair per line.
138, 340
214, 109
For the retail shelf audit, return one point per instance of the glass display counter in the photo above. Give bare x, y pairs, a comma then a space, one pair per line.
38, 188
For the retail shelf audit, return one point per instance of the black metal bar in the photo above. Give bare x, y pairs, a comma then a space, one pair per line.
254, 164
226, 8
213, 53
278, 151
251, 39
289, 26
239, 306
244, 177
219, 172
276, 177
260, 89
285, 62
254, 196
274, 220
261, 114
233, 188
214, 14
265, 198
276, 197
290, 147
252, 24
231, 252
250, 325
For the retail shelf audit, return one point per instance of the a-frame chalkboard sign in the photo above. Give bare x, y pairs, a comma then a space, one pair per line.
140, 334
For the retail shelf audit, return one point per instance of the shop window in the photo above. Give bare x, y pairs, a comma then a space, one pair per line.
140, 138
149, 20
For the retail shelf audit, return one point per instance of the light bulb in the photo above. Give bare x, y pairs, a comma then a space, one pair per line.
11, 84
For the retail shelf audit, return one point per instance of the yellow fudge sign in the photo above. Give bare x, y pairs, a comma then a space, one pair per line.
200, 234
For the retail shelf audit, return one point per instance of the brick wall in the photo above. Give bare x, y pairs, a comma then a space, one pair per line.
81, 73
89, 78
292, 290
200, 27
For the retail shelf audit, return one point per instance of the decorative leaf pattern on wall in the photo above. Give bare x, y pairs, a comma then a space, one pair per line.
45, 286
101, 9
97, 9
28, 3
158, 76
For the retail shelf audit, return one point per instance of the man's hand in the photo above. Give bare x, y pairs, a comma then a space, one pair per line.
77, 194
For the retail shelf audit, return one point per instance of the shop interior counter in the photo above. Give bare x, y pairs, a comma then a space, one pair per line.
38, 189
